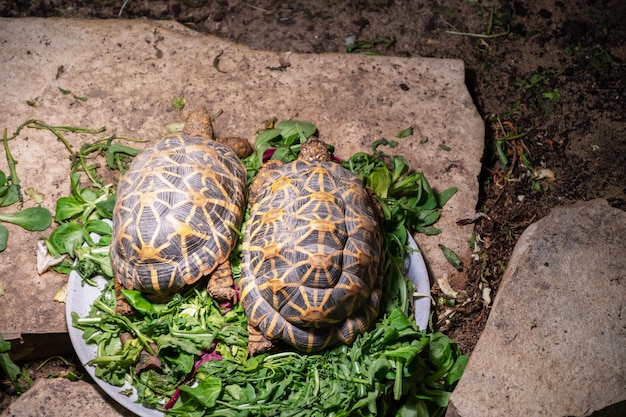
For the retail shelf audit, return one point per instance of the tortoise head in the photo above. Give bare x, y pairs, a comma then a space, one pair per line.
314, 150
199, 124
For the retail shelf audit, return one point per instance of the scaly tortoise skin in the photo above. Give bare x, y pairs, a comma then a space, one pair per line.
313, 254
178, 211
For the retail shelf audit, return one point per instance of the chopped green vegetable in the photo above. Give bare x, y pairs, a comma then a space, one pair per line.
83, 207
10, 196
383, 142
452, 257
32, 219
404, 133
406, 199
35, 102
4, 237
83, 211
34, 195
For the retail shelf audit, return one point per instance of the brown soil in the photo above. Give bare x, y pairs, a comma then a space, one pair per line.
550, 71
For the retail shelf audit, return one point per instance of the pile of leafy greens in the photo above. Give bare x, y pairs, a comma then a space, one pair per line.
188, 356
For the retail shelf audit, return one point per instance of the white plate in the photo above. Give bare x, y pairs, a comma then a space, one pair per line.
81, 297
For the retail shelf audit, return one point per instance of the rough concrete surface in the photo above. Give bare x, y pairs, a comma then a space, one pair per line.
129, 72
555, 341
62, 397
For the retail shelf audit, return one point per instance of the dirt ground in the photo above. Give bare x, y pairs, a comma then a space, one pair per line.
547, 75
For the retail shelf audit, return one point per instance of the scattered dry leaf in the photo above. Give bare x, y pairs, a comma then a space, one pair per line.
44, 260
60, 296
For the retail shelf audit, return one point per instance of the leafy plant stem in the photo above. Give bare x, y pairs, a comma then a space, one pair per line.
490, 21
74, 155
477, 35
38, 124
397, 387
15, 180
61, 358
79, 158
513, 137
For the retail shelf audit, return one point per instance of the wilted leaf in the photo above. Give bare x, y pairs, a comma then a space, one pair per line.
34, 195
44, 260
60, 295
404, 133
4, 237
35, 102
179, 103
452, 257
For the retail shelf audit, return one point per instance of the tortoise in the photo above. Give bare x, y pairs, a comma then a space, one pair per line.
178, 211
312, 254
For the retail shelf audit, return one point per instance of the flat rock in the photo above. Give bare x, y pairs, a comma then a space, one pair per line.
124, 75
555, 341
61, 397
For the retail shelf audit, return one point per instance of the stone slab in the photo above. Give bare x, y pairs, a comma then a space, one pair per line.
61, 397
555, 340
130, 71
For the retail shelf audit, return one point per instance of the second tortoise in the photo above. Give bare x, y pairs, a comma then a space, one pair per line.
313, 254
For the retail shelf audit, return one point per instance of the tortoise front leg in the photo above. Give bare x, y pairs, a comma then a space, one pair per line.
221, 285
257, 342
241, 146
